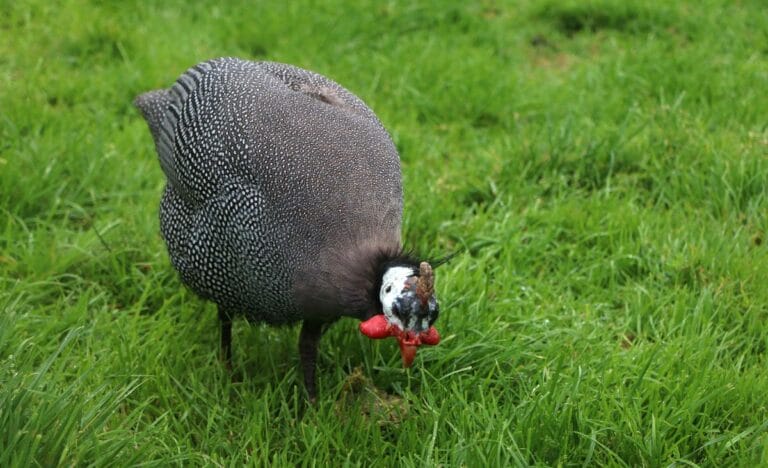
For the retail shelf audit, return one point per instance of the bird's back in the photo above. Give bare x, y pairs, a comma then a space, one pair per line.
272, 170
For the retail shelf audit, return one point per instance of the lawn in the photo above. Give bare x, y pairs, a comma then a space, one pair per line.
600, 168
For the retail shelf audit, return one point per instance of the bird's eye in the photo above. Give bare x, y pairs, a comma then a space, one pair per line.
389, 288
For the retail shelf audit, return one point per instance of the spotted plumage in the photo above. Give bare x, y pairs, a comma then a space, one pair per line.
283, 198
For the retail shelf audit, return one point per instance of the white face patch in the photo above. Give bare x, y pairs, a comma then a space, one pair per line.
391, 287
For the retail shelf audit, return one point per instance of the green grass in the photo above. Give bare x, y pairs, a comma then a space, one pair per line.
601, 167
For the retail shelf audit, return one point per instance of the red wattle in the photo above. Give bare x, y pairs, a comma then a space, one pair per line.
376, 327
408, 353
430, 337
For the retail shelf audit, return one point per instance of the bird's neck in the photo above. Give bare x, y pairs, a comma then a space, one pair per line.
347, 283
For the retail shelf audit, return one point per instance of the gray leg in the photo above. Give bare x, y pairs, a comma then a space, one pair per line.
226, 337
309, 338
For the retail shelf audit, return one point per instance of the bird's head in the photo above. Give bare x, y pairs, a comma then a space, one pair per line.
409, 308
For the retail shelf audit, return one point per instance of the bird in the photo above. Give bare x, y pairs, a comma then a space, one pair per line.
283, 204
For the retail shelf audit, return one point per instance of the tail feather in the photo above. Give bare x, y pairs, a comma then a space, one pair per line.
154, 106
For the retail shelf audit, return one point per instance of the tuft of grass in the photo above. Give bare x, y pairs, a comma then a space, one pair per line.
50, 416
600, 168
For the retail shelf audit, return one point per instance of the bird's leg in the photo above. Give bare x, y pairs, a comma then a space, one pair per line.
226, 338
309, 338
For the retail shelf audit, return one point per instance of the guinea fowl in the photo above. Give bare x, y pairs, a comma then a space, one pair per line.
283, 203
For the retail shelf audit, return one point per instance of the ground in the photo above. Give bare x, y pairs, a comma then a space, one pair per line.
599, 167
